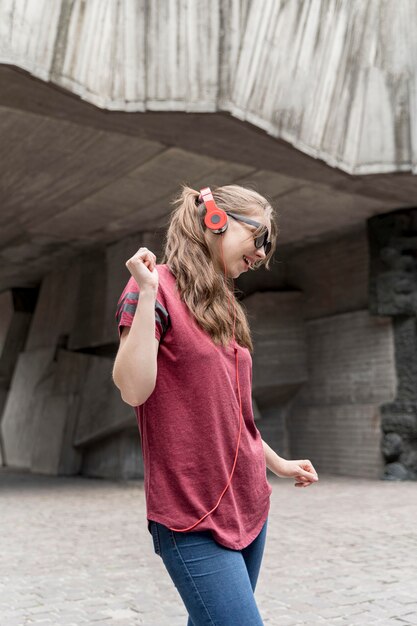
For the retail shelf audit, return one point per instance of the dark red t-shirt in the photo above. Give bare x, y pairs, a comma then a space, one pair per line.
189, 426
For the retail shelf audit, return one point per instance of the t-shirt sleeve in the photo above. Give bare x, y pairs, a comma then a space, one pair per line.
126, 308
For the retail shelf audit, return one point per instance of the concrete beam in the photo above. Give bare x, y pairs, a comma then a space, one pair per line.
261, 61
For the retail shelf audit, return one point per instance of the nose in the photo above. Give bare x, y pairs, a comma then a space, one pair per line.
260, 252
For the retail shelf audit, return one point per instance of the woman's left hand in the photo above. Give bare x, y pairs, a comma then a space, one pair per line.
303, 472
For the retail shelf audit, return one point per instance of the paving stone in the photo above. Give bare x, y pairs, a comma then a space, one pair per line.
77, 551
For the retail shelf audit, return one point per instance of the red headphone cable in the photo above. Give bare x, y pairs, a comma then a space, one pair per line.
240, 406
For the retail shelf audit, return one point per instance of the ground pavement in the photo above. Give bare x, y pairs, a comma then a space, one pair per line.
77, 551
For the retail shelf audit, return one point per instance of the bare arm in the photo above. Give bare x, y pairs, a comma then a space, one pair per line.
135, 367
302, 470
272, 460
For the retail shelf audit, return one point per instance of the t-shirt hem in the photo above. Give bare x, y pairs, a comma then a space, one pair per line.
251, 536
232, 546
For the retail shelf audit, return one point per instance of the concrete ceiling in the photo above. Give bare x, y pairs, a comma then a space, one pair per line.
75, 177
335, 79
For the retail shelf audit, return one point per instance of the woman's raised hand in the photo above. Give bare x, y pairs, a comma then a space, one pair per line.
142, 266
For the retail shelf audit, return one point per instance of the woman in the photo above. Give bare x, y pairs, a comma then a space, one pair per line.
184, 364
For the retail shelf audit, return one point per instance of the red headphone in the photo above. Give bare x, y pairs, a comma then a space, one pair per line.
216, 220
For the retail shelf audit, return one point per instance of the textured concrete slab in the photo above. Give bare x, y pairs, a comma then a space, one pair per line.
55, 406
33, 374
80, 405
101, 412
335, 417
333, 275
323, 209
340, 439
54, 315
78, 551
15, 319
87, 329
85, 380
117, 456
160, 60
88, 158
279, 358
6, 316
350, 360
14, 344
70, 372
54, 418
272, 425
48, 220
148, 204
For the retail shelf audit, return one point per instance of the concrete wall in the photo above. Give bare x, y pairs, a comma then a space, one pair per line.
322, 365
63, 413
279, 360
333, 415
335, 79
335, 418
16, 308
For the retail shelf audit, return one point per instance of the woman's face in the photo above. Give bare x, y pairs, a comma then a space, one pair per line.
237, 242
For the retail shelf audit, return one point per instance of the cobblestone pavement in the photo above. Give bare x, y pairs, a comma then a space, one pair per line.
77, 551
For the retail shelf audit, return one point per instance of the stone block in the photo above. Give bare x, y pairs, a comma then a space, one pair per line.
54, 316
54, 419
58, 401
279, 358
81, 405
342, 439
118, 456
332, 275
70, 372
89, 322
102, 411
350, 360
32, 377
273, 428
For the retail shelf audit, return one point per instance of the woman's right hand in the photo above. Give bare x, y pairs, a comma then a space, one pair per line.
142, 266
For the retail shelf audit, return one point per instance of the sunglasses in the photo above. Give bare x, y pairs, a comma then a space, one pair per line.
260, 240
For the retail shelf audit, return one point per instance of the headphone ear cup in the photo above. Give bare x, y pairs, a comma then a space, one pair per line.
216, 220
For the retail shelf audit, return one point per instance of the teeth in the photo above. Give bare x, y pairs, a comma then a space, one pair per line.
246, 260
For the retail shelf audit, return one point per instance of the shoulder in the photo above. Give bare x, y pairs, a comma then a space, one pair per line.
166, 278
164, 271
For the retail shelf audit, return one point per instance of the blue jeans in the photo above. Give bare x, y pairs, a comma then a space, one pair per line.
216, 583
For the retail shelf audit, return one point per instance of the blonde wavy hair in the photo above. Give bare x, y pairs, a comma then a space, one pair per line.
204, 290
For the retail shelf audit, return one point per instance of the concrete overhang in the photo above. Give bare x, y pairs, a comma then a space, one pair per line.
75, 177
